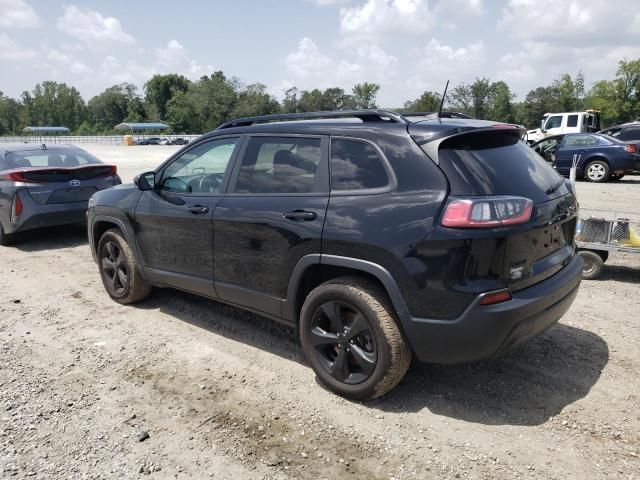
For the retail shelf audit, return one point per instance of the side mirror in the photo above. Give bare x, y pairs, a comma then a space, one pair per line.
145, 181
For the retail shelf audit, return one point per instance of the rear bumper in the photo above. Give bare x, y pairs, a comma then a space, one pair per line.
50, 215
487, 331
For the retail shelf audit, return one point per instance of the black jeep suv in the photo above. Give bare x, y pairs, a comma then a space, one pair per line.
376, 236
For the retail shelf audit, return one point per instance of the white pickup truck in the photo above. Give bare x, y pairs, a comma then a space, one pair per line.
567, 122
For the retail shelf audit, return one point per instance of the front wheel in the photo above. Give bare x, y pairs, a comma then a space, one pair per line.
351, 339
597, 171
119, 270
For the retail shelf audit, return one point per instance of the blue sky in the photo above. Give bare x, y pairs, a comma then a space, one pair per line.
407, 46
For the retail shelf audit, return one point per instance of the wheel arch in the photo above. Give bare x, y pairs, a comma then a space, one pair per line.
313, 270
102, 223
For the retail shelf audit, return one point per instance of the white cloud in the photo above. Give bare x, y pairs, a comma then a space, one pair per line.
436, 63
173, 58
326, 3
92, 28
375, 18
579, 22
456, 8
58, 59
17, 14
9, 51
308, 67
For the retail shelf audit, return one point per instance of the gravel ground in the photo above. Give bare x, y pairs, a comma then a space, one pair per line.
183, 387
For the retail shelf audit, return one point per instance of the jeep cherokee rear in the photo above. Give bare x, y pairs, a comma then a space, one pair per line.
447, 239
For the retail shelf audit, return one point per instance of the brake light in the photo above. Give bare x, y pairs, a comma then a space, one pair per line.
487, 212
113, 171
14, 177
495, 297
631, 148
17, 208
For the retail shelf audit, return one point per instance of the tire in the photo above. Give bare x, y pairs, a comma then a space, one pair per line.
592, 264
5, 238
119, 270
597, 171
351, 319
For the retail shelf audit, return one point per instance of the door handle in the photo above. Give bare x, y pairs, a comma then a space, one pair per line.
297, 215
198, 209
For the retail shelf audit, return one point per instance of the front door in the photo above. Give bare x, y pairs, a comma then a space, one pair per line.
175, 220
272, 216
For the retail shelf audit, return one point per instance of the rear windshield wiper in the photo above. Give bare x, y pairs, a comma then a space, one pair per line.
555, 187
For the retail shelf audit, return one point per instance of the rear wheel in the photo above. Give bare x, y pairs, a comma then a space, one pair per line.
351, 339
597, 171
119, 270
592, 264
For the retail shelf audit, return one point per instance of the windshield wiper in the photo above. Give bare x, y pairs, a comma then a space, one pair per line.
555, 187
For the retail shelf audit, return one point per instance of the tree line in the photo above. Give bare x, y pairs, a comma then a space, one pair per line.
201, 105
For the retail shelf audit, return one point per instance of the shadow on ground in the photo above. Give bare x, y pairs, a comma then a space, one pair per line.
51, 238
525, 387
619, 273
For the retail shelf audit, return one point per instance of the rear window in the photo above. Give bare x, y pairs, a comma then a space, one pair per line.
495, 164
356, 165
50, 158
630, 134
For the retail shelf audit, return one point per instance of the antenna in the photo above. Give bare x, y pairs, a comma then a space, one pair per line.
442, 100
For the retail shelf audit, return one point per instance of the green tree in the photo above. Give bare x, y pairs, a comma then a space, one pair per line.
54, 104
427, 102
290, 101
364, 95
119, 103
9, 115
461, 99
570, 92
500, 106
159, 90
254, 100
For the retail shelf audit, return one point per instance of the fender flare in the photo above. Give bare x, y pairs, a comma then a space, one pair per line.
124, 227
378, 271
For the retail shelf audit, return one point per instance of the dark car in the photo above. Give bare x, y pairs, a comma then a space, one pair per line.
598, 157
546, 147
628, 132
149, 141
381, 239
179, 141
44, 186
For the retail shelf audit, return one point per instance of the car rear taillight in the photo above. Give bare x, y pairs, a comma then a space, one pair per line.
486, 212
16, 208
14, 177
495, 297
631, 148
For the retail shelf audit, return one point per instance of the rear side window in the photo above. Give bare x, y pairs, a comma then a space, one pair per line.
629, 134
572, 121
280, 165
496, 164
575, 141
356, 165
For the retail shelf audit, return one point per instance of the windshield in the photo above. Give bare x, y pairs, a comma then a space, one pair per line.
50, 158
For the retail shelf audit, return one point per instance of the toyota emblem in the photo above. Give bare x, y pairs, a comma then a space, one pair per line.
74, 183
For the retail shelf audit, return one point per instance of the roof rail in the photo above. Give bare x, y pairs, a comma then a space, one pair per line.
444, 114
364, 115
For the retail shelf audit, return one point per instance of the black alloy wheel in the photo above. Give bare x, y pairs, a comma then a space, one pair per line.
343, 342
114, 268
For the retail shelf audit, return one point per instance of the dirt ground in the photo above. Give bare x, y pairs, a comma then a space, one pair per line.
183, 387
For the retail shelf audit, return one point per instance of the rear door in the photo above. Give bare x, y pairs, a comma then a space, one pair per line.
487, 164
174, 221
272, 215
573, 145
